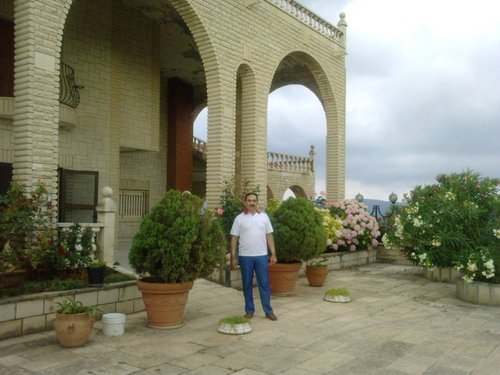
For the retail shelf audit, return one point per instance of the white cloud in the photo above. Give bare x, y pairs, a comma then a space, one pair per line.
423, 94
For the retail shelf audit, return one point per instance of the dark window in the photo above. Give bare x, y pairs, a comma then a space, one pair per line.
5, 177
78, 196
6, 58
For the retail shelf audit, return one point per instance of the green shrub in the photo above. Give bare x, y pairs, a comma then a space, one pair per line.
298, 231
177, 240
451, 223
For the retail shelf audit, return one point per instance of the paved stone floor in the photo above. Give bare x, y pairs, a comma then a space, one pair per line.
398, 323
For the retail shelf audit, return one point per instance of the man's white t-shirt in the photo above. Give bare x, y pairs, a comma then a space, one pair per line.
252, 231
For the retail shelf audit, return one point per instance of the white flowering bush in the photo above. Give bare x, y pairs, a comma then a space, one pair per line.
479, 266
451, 224
359, 229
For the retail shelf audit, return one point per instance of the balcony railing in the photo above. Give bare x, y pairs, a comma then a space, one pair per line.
275, 161
291, 163
309, 18
69, 93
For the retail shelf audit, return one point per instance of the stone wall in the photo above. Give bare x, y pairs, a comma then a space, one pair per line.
36, 312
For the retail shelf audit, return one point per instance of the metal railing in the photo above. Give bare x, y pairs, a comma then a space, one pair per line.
69, 93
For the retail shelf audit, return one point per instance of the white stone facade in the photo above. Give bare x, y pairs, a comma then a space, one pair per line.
123, 51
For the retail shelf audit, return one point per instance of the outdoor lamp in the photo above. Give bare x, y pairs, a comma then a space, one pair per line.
359, 197
393, 198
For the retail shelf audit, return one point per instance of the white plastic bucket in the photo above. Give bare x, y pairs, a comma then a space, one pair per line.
113, 324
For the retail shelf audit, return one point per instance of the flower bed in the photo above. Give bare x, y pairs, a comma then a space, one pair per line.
36, 312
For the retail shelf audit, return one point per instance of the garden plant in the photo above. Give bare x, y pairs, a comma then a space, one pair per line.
452, 223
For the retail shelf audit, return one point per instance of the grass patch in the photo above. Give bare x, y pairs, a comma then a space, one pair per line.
233, 320
338, 292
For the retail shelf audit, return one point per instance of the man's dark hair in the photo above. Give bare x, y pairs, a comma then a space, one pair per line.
251, 193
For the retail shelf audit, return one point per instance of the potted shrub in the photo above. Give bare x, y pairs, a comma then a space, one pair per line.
96, 272
177, 242
73, 323
316, 272
298, 236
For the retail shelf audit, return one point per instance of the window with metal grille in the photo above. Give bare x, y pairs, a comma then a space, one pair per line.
133, 203
78, 196
6, 57
5, 177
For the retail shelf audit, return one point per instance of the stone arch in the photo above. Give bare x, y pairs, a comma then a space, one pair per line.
270, 194
218, 169
298, 191
299, 67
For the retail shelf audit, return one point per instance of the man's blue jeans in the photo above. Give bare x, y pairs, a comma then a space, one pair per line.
259, 265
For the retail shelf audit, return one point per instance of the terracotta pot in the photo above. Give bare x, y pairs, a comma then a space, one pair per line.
282, 277
165, 303
316, 275
73, 330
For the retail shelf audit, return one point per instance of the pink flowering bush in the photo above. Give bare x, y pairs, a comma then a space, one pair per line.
359, 229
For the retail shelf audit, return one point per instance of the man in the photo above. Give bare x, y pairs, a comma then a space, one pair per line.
253, 230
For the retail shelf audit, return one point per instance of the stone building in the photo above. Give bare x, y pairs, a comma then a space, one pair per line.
103, 93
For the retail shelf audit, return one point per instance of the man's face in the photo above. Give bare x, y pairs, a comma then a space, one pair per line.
251, 203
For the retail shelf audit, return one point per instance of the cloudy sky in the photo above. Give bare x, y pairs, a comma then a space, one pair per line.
423, 94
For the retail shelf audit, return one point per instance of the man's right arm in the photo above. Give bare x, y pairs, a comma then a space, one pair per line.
234, 243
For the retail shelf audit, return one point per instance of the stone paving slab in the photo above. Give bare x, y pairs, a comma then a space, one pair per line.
397, 324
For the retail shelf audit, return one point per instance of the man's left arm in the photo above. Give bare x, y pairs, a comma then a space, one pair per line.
270, 244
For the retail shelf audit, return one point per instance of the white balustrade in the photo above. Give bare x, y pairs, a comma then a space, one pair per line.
310, 19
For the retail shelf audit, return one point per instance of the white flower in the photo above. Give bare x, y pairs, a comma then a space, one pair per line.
435, 242
487, 274
472, 267
489, 265
496, 233
417, 222
449, 196
78, 247
385, 241
468, 279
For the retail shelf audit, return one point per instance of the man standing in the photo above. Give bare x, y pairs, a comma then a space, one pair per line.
254, 231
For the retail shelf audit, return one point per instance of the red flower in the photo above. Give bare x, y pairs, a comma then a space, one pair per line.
61, 250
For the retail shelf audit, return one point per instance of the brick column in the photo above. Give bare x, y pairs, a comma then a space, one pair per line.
38, 33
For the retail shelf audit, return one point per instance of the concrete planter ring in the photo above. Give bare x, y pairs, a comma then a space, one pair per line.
339, 295
444, 274
234, 325
478, 292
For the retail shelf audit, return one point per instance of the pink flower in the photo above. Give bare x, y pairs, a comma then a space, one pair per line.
220, 211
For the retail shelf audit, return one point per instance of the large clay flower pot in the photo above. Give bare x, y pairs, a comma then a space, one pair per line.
316, 275
165, 303
282, 277
73, 330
